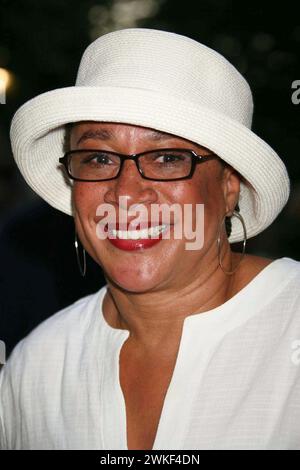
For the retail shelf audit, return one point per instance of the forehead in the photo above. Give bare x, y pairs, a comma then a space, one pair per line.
108, 131
111, 130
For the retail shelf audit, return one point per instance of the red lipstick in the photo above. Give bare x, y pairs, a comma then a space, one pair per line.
133, 244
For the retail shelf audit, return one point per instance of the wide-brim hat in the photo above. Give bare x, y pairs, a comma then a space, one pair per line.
167, 82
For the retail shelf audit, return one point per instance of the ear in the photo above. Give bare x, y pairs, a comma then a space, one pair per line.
231, 188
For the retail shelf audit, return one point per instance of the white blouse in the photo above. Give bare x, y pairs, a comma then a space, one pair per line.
235, 385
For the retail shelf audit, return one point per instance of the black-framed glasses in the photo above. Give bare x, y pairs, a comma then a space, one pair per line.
168, 164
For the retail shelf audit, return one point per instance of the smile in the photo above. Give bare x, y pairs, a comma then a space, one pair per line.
145, 233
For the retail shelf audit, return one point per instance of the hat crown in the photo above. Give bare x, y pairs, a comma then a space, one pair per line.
169, 64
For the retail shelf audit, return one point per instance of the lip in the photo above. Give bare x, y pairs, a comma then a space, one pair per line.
140, 244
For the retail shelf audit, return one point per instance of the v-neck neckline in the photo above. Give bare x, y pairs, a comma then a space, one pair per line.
203, 329
112, 393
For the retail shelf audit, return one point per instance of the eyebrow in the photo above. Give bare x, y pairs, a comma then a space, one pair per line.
104, 134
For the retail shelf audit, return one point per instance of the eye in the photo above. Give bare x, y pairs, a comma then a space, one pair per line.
170, 159
99, 158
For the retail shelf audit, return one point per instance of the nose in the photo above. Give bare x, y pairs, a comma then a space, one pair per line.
132, 187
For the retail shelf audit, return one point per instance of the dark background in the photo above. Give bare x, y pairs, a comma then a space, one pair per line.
41, 43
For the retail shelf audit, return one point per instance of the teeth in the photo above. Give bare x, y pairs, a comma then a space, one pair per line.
138, 234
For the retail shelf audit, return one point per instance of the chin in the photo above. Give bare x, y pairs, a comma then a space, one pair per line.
133, 281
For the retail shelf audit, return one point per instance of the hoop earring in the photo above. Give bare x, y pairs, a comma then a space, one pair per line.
240, 217
82, 270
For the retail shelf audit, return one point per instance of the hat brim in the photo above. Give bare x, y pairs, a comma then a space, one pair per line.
37, 135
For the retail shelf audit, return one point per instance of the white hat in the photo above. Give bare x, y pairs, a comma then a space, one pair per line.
167, 82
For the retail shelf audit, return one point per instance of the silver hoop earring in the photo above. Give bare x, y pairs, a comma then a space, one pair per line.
82, 270
240, 217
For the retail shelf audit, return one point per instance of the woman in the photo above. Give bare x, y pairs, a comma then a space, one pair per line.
183, 348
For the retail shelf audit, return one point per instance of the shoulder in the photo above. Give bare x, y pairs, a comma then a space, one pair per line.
252, 266
276, 288
271, 286
63, 323
64, 329
45, 360
285, 265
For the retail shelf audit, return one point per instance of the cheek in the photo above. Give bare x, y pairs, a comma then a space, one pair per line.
86, 198
188, 192
207, 189
202, 189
